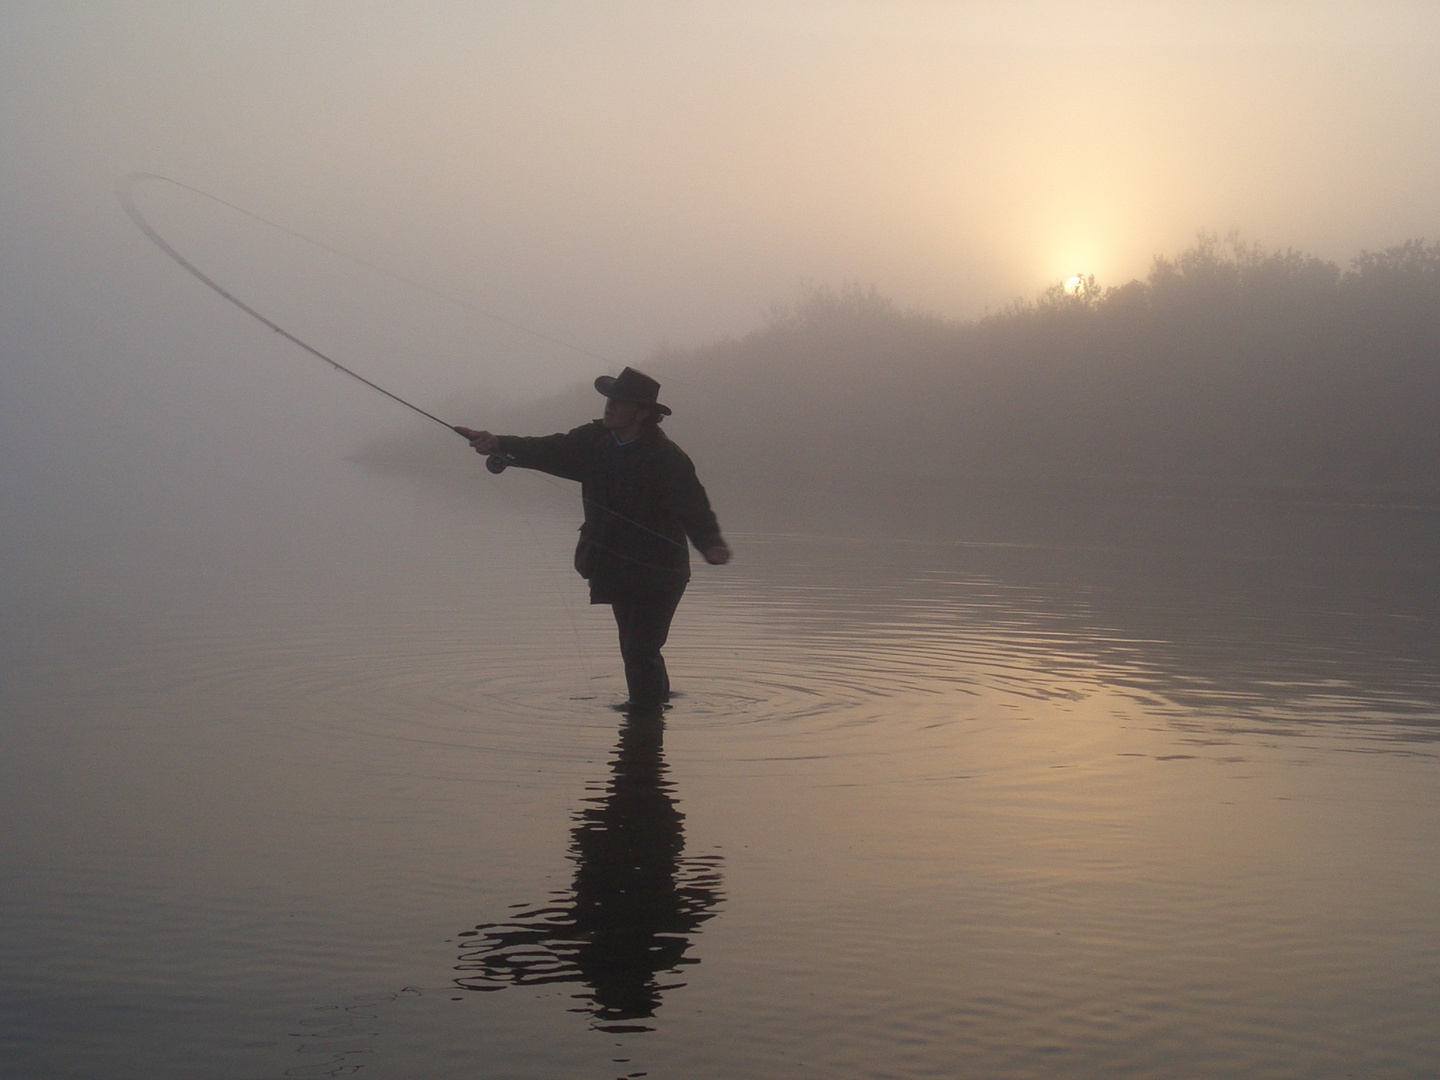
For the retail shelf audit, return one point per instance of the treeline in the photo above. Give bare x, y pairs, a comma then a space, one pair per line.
1227, 365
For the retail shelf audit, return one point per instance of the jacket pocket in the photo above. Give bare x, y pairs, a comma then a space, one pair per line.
585, 550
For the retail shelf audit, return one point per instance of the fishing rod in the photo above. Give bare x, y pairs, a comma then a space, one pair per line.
496, 462
124, 191
128, 183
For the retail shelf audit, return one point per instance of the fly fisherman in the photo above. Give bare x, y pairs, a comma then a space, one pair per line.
642, 499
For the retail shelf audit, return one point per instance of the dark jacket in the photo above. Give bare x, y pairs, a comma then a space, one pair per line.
641, 499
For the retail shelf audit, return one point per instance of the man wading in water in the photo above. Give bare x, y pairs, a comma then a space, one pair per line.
642, 499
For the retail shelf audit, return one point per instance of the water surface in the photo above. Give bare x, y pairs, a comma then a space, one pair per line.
1147, 791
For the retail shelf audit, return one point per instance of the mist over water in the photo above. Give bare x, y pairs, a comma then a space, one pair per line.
1075, 799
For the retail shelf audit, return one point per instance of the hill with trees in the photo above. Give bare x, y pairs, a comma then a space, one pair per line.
1226, 366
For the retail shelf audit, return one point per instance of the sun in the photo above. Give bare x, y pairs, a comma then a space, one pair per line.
1072, 284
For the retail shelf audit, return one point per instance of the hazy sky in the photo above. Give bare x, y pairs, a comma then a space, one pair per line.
629, 174
634, 172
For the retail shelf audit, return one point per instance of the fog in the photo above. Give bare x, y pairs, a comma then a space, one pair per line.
1063, 376
626, 179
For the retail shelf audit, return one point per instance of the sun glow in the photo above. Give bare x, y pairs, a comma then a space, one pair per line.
1073, 283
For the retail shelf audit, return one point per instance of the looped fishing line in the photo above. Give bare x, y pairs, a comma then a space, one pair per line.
124, 192
126, 185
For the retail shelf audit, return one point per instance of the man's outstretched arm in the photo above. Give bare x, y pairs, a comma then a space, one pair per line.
561, 455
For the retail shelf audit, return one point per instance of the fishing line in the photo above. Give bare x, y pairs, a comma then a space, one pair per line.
124, 190
496, 463
565, 595
128, 183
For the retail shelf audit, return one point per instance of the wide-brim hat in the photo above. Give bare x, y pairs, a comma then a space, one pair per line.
634, 387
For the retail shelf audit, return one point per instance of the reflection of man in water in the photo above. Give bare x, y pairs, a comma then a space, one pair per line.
635, 899
642, 499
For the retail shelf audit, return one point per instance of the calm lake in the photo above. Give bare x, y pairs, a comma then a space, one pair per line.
1085, 785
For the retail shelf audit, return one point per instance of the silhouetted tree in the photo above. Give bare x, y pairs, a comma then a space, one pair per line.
1227, 364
